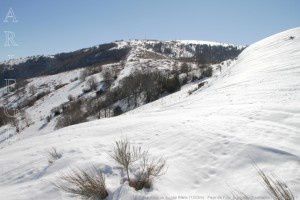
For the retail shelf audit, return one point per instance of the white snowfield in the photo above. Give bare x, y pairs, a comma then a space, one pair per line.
210, 139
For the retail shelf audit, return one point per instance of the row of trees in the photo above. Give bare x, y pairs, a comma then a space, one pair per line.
141, 86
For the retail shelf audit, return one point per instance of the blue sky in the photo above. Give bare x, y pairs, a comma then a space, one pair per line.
53, 26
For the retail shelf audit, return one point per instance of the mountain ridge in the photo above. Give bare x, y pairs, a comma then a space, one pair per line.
113, 52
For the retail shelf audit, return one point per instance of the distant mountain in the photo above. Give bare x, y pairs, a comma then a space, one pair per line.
201, 51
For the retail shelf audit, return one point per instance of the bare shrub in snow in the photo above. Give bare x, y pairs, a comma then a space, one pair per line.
277, 189
42, 94
117, 111
48, 118
107, 76
172, 84
4, 116
32, 90
92, 84
60, 86
207, 72
21, 83
82, 76
56, 111
71, 115
26, 118
88, 184
71, 98
53, 155
90, 70
184, 68
15, 123
125, 154
150, 169
191, 91
29, 101
73, 79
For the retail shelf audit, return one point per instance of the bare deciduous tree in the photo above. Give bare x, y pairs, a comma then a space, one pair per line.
92, 83
107, 76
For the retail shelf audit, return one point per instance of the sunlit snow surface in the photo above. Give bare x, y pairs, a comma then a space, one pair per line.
250, 112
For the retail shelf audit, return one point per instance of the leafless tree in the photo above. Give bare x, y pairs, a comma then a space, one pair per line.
92, 83
107, 76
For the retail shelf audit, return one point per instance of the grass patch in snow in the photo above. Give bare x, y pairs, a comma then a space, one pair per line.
53, 155
88, 184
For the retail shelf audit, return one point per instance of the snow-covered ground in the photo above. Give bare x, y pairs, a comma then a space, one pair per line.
250, 112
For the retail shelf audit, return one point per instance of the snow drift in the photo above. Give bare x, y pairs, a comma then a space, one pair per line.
210, 138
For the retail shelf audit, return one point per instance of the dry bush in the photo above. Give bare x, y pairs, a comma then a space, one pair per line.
60, 86
32, 90
107, 75
150, 169
92, 83
26, 118
15, 122
88, 184
125, 154
28, 102
42, 94
191, 91
71, 97
72, 114
83, 74
5, 115
10, 116
184, 68
277, 189
207, 72
53, 155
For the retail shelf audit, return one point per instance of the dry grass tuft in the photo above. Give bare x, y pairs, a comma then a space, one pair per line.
149, 170
53, 155
125, 154
277, 189
88, 184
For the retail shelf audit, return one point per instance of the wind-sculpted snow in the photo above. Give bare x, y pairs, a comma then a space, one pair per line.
250, 112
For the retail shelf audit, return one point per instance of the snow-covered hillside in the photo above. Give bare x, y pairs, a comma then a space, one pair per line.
209, 138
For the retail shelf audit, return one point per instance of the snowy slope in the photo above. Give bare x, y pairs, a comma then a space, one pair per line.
252, 111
